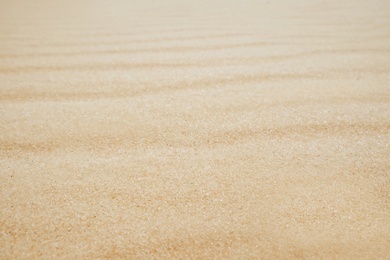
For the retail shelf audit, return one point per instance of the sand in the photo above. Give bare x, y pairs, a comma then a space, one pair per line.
194, 129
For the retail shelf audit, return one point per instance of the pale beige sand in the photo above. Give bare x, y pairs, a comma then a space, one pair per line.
194, 129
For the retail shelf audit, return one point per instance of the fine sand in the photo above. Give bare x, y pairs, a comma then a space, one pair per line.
194, 129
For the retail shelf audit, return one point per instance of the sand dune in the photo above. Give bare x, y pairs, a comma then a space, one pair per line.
203, 129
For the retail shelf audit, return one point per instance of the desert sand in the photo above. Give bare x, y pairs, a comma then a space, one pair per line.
194, 129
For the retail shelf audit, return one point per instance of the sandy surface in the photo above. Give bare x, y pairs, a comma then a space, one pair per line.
202, 129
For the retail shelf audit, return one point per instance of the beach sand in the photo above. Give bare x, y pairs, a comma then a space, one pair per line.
194, 129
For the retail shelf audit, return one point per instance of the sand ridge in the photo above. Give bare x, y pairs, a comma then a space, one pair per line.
208, 129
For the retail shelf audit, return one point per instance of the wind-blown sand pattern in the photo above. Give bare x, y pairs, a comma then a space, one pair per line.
194, 129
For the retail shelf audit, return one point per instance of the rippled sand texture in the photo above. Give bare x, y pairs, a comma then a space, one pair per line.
194, 129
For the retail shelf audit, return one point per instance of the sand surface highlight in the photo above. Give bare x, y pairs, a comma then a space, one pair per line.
194, 129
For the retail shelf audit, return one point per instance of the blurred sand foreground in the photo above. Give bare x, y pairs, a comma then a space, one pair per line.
194, 129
